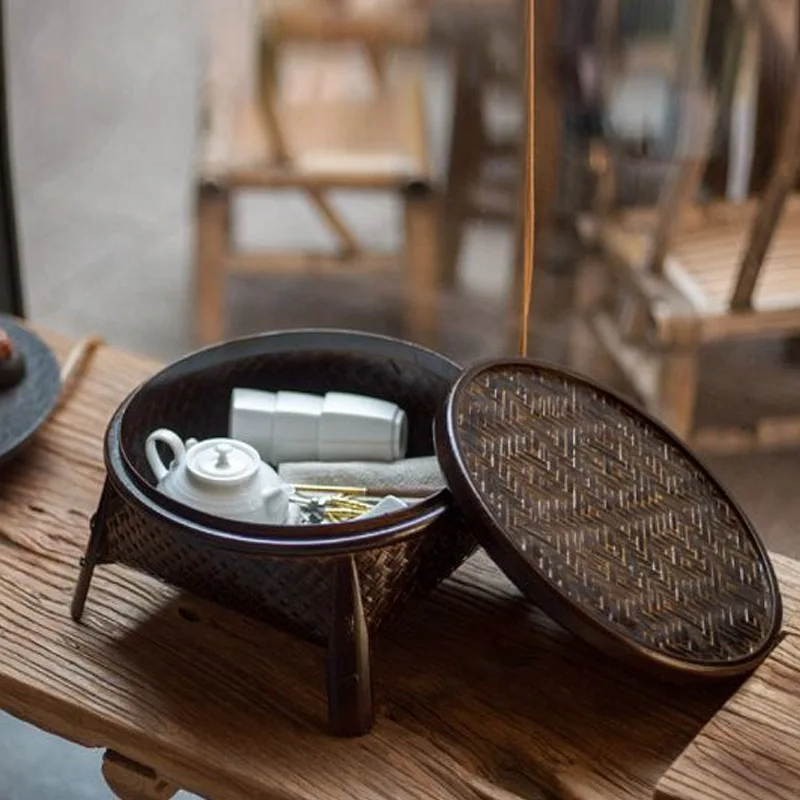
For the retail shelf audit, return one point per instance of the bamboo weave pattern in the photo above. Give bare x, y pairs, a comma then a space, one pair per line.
615, 515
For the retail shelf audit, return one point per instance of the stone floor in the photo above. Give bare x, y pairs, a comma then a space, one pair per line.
103, 100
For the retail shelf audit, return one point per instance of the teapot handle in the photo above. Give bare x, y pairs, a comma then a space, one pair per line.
169, 438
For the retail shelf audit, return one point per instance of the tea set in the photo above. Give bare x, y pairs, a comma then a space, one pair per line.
294, 426
234, 477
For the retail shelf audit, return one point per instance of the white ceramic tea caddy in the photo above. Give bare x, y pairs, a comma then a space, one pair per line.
223, 477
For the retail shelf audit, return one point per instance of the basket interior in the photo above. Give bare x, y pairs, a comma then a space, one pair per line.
192, 396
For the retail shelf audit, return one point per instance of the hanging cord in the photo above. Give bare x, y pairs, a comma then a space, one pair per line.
528, 209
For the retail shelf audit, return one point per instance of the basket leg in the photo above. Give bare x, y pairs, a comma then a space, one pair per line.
90, 559
350, 708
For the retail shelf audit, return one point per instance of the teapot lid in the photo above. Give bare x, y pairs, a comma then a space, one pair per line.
222, 462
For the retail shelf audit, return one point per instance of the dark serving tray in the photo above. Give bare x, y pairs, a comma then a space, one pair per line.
24, 408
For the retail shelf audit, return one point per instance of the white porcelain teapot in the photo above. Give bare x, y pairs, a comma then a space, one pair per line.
224, 477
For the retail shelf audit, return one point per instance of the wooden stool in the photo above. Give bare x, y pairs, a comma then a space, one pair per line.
322, 106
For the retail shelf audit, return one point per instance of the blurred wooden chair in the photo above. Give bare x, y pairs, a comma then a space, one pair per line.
697, 48
487, 129
675, 278
315, 95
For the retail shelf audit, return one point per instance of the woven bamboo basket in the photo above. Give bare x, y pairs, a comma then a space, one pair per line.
309, 581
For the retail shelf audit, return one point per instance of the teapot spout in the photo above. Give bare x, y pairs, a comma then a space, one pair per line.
276, 504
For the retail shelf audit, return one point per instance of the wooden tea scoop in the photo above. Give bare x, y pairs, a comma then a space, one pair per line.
77, 358
360, 491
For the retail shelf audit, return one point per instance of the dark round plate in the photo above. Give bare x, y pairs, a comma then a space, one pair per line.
607, 521
25, 407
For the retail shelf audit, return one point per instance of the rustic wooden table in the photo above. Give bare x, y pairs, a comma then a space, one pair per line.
480, 695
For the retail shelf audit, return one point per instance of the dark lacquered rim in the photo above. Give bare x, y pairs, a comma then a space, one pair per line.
540, 591
306, 540
42, 376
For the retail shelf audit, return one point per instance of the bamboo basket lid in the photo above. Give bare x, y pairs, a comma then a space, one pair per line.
607, 521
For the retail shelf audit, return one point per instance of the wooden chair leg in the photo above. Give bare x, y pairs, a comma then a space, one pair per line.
423, 263
514, 313
677, 390
466, 144
129, 780
791, 351
591, 286
213, 246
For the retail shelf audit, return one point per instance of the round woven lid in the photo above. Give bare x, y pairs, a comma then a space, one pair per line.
604, 519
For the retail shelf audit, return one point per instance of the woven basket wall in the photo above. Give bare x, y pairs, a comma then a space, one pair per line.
192, 398
292, 593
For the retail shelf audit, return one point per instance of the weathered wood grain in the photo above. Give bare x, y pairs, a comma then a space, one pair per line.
750, 748
478, 694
